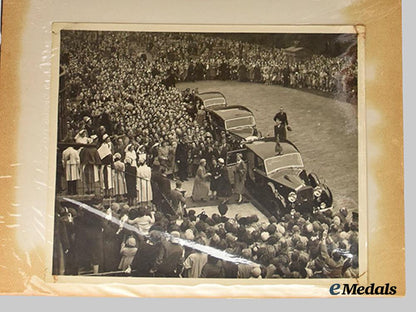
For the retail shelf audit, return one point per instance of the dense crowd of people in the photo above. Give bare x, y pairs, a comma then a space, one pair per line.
130, 132
322, 246
194, 57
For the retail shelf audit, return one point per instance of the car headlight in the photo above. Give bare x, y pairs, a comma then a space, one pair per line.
322, 205
317, 191
292, 197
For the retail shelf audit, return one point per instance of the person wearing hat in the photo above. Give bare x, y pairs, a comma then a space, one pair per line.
240, 174
223, 182
120, 188
178, 200
145, 259
88, 125
169, 261
163, 154
71, 165
244, 269
128, 251
82, 137
194, 263
131, 153
131, 181
201, 189
255, 273
107, 162
215, 175
141, 154
144, 187
181, 159
90, 162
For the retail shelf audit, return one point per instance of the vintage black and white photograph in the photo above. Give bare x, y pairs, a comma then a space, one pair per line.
227, 155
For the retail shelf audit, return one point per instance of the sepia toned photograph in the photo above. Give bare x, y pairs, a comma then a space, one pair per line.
225, 155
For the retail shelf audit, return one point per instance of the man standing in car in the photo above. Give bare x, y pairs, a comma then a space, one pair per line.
281, 123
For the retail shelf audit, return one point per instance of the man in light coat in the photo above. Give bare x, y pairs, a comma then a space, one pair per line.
71, 165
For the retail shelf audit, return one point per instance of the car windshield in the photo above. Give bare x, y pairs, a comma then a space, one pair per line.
214, 102
239, 122
275, 163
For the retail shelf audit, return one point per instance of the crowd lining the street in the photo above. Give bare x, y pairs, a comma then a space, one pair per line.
130, 132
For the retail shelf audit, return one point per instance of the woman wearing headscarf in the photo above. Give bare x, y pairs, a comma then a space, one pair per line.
201, 188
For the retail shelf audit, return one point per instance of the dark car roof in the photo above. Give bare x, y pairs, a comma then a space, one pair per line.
213, 98
231, 112
266, 149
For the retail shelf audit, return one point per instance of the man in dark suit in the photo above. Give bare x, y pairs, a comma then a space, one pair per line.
281, 123
169, 261
279, 131
162, 191
181, 158
164, 183
282, 116
178, 199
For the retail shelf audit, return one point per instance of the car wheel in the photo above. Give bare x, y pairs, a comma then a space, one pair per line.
274, 204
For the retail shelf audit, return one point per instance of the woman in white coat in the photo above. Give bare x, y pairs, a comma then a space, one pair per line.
144, 188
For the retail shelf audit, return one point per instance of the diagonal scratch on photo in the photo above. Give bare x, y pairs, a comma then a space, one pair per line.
207, 155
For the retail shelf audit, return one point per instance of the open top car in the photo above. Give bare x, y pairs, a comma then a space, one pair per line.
212, 100
237, 122
280, 181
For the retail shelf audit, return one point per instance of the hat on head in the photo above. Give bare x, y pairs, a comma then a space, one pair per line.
115, 206
117, 156
189, 234
255, 272
264, 236
215, 238
343, 211
272, 219
221, 161
229, 237
175, 234
281, 229
131, 242
273, 239
343, 235
105, 136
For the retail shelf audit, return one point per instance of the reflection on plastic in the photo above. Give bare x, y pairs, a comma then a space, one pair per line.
219, 254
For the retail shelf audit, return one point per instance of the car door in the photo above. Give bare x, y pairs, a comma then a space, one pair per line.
216, 125
259, 172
